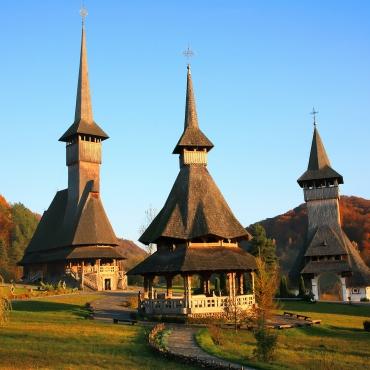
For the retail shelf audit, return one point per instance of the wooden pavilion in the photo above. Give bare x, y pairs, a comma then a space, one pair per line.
196, 235
74, 240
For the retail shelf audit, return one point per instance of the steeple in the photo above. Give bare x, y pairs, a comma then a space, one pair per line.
192, 138
191, 118
84, 122
83, 100
318, 157
319, 167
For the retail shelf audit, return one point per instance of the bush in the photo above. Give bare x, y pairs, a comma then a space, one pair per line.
216, 334
364, 299
266, 344
367, 325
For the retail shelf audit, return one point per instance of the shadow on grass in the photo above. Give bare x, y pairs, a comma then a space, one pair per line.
43, 306
336, 332
326, 308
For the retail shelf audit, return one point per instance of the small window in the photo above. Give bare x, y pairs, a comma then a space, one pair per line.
355, 291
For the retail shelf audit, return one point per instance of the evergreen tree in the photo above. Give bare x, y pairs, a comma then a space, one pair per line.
262, 246
302, 287
283, 288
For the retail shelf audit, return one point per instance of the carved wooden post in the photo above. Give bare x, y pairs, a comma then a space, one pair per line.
146, 287
241, 283
151, 292
187, 286
169, 286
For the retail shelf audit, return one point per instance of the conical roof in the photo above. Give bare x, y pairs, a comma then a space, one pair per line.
194, 208
319, 166
84, 122
192, 136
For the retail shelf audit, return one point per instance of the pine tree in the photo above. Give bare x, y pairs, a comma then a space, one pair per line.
302, 287
261, 246
283, 289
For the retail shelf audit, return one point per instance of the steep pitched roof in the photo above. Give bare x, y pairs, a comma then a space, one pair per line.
84, 122
328, 241
196, 259
192, 135
88, 226
319, 166
194, 208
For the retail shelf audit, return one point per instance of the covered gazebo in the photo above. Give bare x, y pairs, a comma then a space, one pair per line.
196, 234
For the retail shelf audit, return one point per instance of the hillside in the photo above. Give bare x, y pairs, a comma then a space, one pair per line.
289, 230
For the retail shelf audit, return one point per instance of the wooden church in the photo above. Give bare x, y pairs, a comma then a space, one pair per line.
328, 249
197, 237
74, 240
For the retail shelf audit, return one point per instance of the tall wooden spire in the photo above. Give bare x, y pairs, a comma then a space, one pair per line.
84, 121
83, 100
191, 118
192, 138
319, 167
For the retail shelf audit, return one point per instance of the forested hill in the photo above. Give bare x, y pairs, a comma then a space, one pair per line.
17, 225
289, 230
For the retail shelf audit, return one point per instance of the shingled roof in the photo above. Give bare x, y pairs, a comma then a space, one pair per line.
87, 225
331, 241
319, 166
192, 136
194, 208
193, 259
84, 122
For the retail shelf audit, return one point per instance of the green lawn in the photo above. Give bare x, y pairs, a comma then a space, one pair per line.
338, 343
52, 333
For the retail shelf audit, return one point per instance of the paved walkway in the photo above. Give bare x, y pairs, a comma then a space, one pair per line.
181, 341
110, 306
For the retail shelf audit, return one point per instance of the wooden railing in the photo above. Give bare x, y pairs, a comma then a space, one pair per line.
199, 304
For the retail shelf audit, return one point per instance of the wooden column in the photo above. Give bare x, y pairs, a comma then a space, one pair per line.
169, 286
205, 283
146, 287
187, 288
151, 291
231, 283
241, 283
82, 275
252, 277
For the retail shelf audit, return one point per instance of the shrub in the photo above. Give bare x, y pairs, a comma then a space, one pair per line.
266, 344
216, 334
5, 308
364, 299
367, 325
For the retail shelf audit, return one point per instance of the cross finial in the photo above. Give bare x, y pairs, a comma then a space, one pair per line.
188, 54
83, 13
314, 113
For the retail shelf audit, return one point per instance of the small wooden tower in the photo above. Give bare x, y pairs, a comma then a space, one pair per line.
197, 235
329, 251
74, 240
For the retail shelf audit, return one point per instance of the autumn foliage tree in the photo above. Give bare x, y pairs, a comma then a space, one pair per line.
265, 285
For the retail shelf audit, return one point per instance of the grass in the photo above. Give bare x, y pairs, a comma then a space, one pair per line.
52, 333
338, 343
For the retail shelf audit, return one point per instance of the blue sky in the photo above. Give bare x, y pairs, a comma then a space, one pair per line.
259, 68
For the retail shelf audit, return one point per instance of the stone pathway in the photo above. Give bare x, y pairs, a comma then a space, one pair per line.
181, 341
110, 306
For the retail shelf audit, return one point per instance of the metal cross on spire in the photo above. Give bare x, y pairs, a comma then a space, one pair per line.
314, 113
188, 54
83, 12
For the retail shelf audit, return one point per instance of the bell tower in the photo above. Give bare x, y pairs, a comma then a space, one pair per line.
83, 139
320, 185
